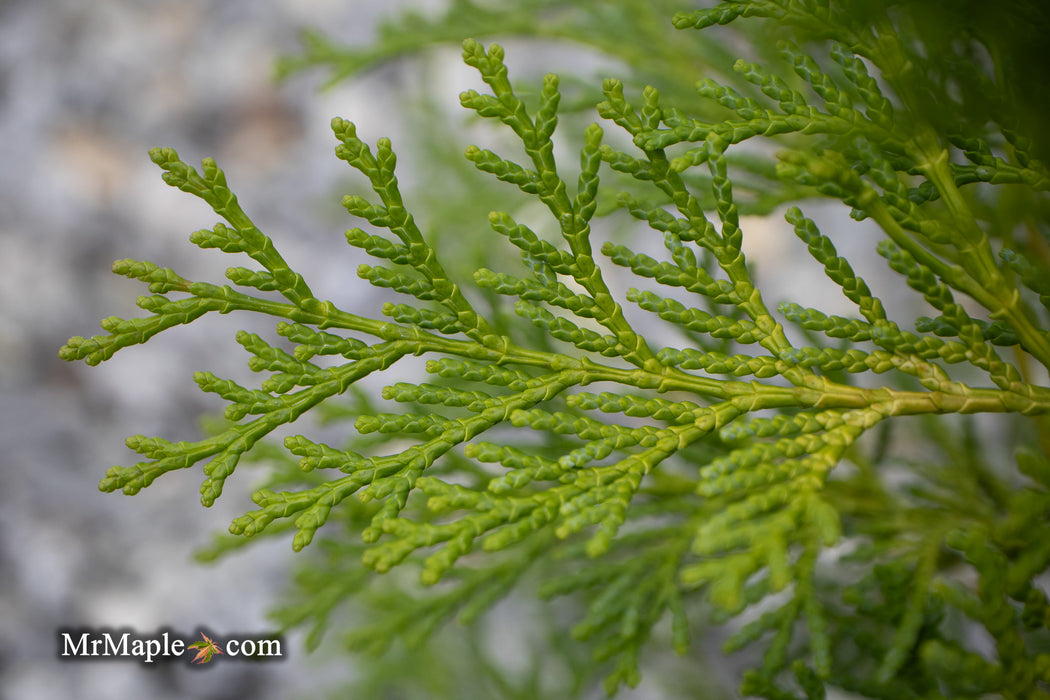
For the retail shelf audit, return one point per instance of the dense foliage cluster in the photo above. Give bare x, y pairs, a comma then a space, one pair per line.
745, 474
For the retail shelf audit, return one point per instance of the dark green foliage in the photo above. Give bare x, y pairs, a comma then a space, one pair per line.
744, 476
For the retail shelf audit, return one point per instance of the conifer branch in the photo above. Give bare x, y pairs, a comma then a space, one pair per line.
737, 470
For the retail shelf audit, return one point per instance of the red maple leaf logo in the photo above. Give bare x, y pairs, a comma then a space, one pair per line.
205, 650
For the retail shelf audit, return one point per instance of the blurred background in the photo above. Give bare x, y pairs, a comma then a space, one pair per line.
85, 90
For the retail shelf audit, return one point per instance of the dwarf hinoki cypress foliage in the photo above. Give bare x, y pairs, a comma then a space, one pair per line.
743, 473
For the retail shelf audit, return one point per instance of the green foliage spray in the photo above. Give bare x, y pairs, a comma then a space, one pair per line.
747, 475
